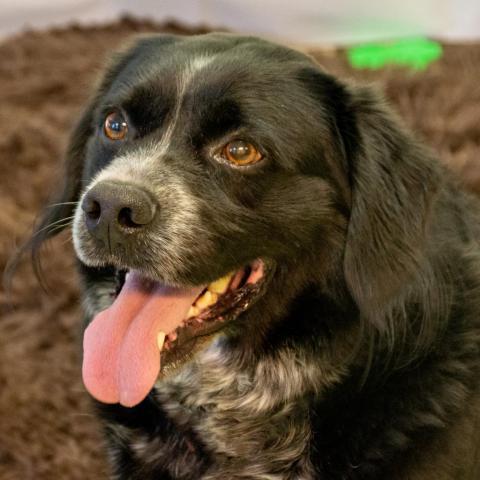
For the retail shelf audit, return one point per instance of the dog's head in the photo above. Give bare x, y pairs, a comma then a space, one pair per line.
235, 165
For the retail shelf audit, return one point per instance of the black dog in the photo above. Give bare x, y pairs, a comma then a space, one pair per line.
295, 281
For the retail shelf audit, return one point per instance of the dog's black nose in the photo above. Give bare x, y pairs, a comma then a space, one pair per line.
115, 211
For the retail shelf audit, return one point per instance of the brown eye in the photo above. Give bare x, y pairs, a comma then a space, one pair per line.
115, 126
240, 152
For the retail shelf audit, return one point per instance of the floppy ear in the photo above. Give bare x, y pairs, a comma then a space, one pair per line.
393, 185
62, 203
56, 215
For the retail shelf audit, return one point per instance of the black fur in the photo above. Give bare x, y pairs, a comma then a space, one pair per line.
361, 359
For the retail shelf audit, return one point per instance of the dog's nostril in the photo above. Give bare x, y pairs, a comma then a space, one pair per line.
92, 209
125, 218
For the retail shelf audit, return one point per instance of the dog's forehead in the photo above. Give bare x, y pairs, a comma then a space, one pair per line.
213, 60
238, 49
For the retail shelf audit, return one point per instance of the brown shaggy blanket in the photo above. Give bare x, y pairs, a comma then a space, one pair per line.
46, 427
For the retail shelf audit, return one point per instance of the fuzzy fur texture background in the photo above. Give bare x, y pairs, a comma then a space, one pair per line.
46, 427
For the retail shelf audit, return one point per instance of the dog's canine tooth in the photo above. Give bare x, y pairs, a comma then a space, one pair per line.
220, 286
207, 299
160, 340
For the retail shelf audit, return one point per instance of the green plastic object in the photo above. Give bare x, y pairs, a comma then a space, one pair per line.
416, 53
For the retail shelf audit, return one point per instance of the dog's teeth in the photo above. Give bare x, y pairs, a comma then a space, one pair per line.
193, 312
160, 340
220, 286
207, 299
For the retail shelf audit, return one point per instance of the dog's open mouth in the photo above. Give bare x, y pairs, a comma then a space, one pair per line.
151, 327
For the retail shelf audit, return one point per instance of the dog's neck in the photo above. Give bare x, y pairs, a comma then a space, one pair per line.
265, 402
267, 408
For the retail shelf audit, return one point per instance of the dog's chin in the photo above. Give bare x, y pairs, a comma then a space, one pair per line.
220, 303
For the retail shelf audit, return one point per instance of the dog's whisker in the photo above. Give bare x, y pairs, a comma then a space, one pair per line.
69, 239
58, 228
76, 414
63, 221
52, 205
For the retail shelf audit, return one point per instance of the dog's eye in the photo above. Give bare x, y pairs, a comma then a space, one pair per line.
240, 152
115, 126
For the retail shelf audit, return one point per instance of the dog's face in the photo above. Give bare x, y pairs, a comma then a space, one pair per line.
224, 139
237, 166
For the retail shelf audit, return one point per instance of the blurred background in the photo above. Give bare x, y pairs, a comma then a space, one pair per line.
425, 58
306, 21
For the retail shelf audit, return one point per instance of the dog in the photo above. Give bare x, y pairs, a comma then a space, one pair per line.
279, 281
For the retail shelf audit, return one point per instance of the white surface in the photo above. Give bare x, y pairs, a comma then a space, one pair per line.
301, 21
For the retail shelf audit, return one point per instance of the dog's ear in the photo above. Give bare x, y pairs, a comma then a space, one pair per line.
62, 202
393, 186
58, 213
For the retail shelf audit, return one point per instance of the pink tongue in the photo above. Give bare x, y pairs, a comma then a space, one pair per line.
121, 359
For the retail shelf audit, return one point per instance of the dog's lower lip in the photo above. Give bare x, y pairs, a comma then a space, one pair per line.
243, 287
192, 337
